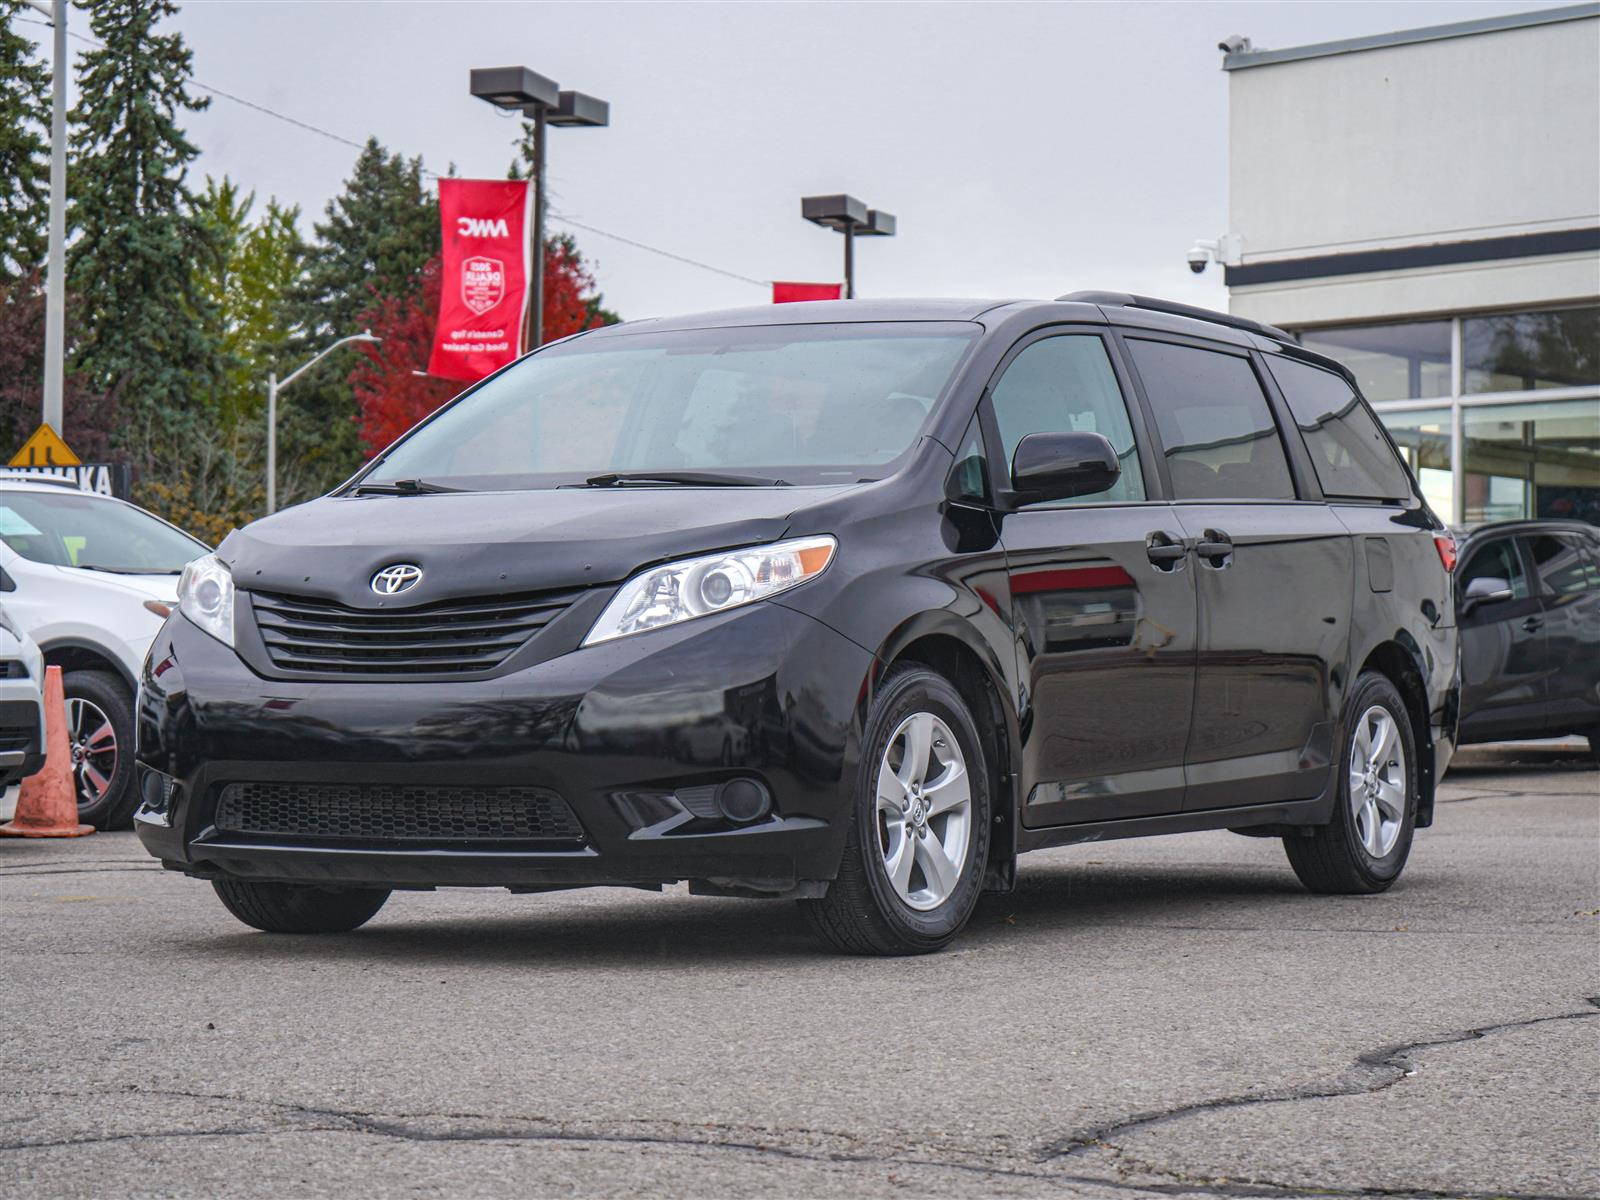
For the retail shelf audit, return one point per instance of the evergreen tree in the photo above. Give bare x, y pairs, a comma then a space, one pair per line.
24, 149
244, 288
147, 333
377, 237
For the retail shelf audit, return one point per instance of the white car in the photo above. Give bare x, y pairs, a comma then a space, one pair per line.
21, 704
90, 579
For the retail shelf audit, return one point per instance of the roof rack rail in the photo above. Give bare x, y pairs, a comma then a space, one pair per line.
1126, 300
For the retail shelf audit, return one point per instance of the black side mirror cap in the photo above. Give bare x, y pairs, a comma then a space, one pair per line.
1058, 466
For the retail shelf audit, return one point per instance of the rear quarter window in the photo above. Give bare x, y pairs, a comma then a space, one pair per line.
1349, 452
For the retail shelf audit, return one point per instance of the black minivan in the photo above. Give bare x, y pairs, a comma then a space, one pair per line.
848, 603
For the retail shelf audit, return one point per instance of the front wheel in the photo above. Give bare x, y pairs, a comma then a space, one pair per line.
100, 738
299, 907
1364, 847
919, 832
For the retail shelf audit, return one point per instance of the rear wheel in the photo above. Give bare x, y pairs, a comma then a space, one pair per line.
298, 907
1364, 847
100, 738
919, 833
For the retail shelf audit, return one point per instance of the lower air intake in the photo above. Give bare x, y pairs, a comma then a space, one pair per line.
390, 813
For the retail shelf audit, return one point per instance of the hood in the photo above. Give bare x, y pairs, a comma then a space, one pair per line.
141, 587
476, 543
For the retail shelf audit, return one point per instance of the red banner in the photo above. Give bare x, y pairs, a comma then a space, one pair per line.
484, 279
791, 293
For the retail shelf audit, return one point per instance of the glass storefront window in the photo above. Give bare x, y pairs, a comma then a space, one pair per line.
1407, 360
1538, 459
1423, 436
1523, 352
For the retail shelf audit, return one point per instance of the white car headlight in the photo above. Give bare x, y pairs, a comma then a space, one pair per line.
697, 587
205, 596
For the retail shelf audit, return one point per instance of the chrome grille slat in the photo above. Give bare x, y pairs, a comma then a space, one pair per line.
304, 634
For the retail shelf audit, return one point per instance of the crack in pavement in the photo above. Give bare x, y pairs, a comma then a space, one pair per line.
308, 1119
1390, 1065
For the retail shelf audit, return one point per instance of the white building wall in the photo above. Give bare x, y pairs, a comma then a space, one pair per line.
1447, 140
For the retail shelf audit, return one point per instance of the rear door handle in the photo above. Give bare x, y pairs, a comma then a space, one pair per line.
1164, 550
1215, 548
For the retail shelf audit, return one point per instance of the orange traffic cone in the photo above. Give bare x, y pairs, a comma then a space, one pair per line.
48, 803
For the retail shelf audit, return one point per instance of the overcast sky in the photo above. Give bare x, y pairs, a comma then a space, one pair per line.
1026, 149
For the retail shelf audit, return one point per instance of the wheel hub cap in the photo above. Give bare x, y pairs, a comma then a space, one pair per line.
924, 812
1379, 781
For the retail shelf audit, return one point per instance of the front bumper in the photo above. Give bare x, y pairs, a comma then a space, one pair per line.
760, 693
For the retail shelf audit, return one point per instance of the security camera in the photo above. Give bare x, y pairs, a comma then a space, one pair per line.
1234, 44
1197, 258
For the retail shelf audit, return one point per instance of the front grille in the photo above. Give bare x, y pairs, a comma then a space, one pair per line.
311, 636
392, 813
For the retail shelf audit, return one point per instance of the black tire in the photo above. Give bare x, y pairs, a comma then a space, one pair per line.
861, 913
1594, 747
1333, 860
299, 907
113, 808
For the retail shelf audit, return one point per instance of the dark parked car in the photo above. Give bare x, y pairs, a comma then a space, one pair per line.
849, 603
1528, 604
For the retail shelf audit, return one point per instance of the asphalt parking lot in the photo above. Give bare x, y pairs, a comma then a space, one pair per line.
1165, 1017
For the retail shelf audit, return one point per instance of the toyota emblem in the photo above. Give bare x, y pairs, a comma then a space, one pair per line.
398, 578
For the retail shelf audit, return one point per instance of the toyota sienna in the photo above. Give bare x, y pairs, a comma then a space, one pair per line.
849, 603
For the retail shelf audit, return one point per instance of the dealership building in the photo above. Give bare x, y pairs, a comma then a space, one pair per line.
1425, 206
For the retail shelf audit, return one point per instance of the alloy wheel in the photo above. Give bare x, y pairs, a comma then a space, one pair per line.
93, 743
1378, 780
924, 811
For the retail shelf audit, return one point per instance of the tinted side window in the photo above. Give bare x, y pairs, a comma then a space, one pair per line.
1559, 563
1220, 439
1066, 385
1348, 450
1497, 560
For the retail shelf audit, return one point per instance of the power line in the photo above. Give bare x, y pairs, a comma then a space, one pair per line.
693, 262
344, 141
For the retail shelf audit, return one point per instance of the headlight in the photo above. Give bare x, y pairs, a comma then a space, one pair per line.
697, 587
205, 596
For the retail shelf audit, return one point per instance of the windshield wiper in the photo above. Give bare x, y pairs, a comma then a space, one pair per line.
687, 478
403, 487
128, 570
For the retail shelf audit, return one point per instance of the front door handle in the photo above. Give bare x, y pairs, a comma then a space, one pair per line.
1164, 550
1533, 624
1215, 548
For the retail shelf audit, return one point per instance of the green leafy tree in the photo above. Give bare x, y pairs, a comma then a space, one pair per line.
148, 334
245, 288
24, 149
376, 238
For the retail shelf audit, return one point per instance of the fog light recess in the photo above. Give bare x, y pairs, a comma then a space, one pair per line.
743, 800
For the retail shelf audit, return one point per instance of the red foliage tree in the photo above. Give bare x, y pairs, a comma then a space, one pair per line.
89, 417
392, 390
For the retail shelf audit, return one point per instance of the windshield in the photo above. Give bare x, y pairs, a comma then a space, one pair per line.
797, 403
75, 529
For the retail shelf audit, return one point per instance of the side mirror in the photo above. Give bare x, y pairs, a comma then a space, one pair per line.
1485, 590
1055, 466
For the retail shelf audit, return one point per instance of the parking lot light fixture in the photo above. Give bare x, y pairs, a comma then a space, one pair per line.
541, 100
851, 217
276, 385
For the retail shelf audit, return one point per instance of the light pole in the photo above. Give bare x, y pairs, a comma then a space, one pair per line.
55, 300
519, 89
852, 218
276, 385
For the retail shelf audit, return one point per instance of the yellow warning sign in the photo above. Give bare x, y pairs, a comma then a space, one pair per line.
45, 449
